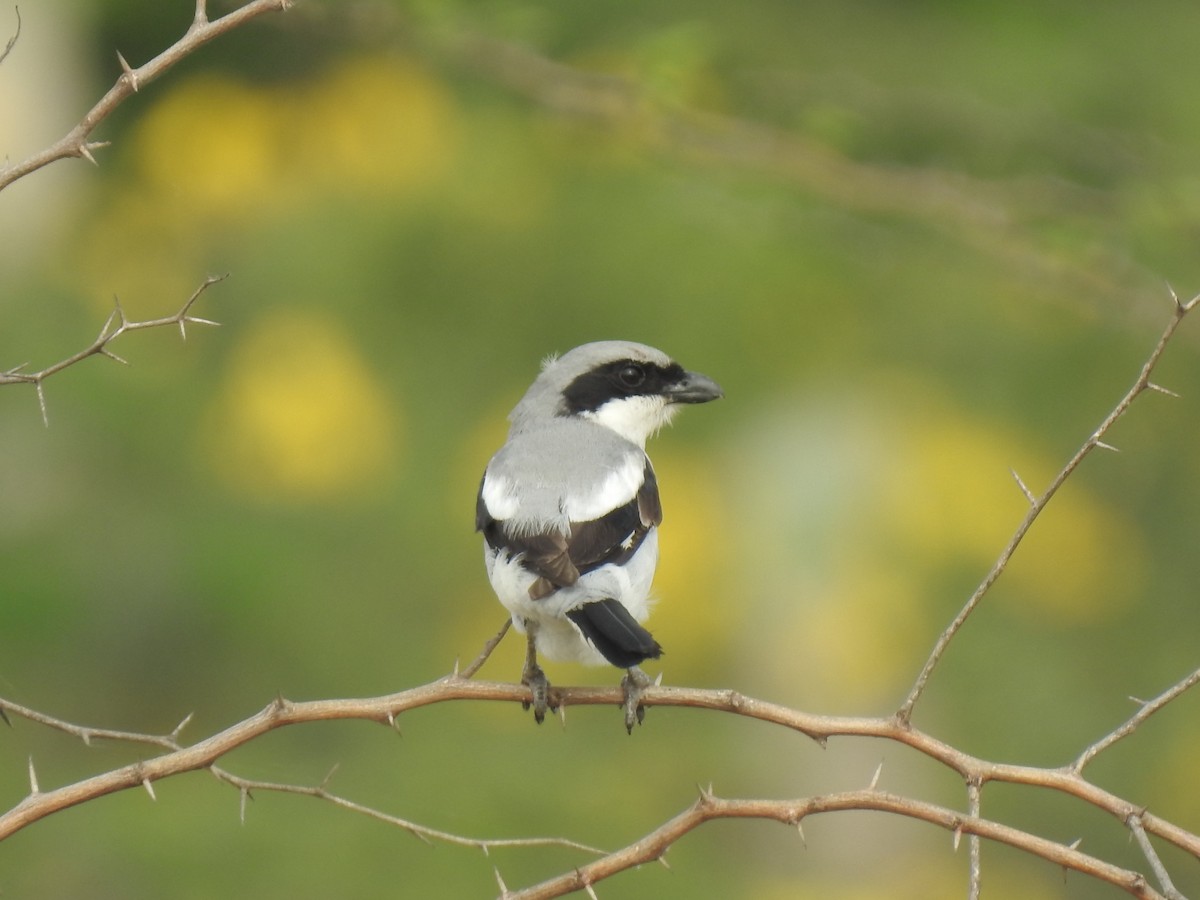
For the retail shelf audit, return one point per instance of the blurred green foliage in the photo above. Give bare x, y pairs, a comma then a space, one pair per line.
917, 244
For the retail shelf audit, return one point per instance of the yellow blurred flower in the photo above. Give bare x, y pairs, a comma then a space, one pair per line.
299, 416
378, 124
853, 522
211, 147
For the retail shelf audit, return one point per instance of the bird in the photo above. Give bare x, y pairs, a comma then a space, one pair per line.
569, 510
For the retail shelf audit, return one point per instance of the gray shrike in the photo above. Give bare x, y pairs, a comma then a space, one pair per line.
569, 509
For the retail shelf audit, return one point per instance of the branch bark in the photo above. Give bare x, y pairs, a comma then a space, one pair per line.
77, 142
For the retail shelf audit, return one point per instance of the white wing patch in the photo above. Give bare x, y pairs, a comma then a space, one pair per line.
499, 496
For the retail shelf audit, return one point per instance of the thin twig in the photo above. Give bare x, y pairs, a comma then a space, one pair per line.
1160, 871
76, 142
1140, 384
87, 733
1145, 711
974, 849
114, 326
491, 645
246, 786
12, 41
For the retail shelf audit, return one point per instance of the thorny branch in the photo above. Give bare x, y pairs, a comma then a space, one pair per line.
653, 846
386, 709
114, 326
1141, 384
76, 143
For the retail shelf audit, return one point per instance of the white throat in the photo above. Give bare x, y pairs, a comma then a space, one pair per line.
634, 418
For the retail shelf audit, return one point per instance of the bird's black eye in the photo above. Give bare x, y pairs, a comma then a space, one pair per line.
631, 375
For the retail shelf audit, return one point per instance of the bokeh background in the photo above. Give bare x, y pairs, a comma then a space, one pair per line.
918, 244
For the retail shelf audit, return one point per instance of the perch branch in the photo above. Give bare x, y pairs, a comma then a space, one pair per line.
385, 709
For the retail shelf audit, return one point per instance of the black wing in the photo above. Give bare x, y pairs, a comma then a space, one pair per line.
559, 559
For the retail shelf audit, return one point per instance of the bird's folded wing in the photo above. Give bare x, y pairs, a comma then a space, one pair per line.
557, 556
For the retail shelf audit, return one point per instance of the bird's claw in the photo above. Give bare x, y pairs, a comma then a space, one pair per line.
539, 689
632, 685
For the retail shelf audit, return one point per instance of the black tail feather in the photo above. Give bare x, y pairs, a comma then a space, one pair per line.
615, 633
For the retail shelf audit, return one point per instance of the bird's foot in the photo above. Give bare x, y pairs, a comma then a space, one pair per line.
632, 685
539, 688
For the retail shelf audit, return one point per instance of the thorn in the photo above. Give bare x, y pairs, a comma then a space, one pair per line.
149, 788
245, 794
4, 716
800, 831
958, 833
197, 320
1104, 446
875, 778
182, 725
127, 72
106, 352
658, 680
16, 369
562, 715
1175, 298
1162, 390
1024, 488
455, 672
662, 858
591, 893
33, 783
484, 847
328, 777
104, 335
500, 882
41, 395
85, 150
1074, 845
86, 737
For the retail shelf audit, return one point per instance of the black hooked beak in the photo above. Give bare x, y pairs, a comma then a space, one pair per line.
694, 388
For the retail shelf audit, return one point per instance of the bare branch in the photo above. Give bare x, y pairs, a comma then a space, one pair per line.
1140, 384
385, 709
114, 326
88, 734
491, 645
76, 142
1145, 711
789, 812
247, 786
974, 844
1160, 871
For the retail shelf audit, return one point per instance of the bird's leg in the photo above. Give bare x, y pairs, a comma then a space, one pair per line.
534, 678
634, 682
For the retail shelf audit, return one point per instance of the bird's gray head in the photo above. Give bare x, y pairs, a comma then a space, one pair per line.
629, 388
